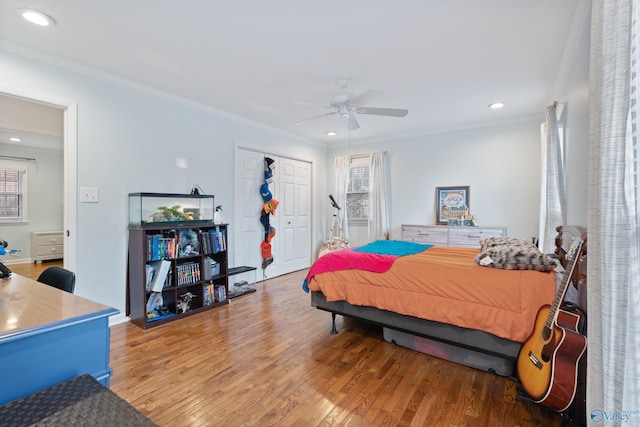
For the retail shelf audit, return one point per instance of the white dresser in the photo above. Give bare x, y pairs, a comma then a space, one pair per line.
46, 245
450, 236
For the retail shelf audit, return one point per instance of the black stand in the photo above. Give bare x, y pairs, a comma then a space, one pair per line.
240, 288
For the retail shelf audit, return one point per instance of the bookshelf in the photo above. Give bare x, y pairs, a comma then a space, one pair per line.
176, 271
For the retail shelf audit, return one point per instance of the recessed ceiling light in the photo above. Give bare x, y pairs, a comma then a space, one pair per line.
14, 139
496, 105
331, 133
36, 17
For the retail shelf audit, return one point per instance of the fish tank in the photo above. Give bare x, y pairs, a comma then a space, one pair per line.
160, 209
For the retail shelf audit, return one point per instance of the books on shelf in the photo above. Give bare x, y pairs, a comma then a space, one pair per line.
218, 240
214, 293
209, 296
185, 242
188, 273
206, 241
157, 274
162, 245
219, 293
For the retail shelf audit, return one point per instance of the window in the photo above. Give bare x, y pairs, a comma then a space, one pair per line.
13, 193
358, 190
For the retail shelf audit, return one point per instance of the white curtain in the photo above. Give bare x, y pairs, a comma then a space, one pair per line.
553, 200
342, 164
378, 204
613, 289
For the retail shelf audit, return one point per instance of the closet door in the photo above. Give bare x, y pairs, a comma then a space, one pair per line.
246, 229
294, 215
291, 246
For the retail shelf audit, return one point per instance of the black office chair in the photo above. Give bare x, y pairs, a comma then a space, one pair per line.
58, 277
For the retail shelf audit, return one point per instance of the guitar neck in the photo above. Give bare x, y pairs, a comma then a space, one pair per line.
562, 290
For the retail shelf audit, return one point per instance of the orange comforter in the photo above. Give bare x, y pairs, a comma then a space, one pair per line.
444, 284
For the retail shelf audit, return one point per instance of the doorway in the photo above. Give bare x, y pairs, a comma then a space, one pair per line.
291, 187
69, 155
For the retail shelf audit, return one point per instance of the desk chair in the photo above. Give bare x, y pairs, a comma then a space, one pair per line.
58, 277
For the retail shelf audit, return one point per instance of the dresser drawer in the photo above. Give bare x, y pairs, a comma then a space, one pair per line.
46, 245
471, 236
48, 239
52, 250
436, 235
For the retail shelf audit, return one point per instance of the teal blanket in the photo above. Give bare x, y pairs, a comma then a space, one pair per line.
393, 247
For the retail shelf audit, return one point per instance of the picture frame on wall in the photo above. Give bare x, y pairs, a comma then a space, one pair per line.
451, 202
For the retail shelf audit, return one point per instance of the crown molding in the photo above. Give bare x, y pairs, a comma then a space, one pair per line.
74, 67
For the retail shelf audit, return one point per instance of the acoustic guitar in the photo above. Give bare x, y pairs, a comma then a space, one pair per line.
548, 360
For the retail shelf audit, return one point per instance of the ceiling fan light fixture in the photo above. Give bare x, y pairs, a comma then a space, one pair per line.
347, 106
496, 105
343, 82
36, 17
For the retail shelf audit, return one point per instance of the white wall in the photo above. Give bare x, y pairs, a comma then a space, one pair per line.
45, 195
128, 141
501, 164
573, 87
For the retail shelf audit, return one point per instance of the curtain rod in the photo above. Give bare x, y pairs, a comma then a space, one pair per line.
366, 154
26, 159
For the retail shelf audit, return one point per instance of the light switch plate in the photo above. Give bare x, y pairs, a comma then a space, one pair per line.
88, 194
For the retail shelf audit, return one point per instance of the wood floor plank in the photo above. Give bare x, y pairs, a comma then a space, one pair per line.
268, 358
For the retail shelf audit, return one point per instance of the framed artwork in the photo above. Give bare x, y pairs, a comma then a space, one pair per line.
451, 202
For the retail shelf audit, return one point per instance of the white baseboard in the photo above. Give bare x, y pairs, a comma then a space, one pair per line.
117, 319
13, 260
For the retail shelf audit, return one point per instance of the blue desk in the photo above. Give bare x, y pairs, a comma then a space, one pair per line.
48, 336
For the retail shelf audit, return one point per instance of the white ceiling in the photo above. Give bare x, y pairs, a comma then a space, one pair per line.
276, 62
37, 125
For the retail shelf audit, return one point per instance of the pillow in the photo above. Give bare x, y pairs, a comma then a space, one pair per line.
490, 242
515, 256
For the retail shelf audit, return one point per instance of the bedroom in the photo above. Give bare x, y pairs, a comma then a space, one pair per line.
108, 143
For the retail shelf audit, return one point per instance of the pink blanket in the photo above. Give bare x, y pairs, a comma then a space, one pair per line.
346, 259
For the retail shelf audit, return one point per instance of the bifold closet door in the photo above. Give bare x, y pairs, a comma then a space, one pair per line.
291, 247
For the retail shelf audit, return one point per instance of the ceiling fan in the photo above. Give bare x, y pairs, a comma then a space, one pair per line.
347, 106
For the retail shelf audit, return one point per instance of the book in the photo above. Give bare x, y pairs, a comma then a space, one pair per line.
159, 275
209, 297
149, 270
154, 247
206, 243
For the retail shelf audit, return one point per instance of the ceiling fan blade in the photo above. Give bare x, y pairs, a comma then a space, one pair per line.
313, 118
350, 122
394, 112
366, 97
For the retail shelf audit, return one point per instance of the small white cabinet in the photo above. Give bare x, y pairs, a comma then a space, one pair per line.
450, 236
46, 245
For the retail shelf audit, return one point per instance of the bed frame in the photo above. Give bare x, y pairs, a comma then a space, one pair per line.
470, 347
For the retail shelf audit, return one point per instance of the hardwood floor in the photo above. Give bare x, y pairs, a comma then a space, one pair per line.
268, 359
31, 269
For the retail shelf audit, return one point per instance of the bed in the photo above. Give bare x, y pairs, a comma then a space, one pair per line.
439, 300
